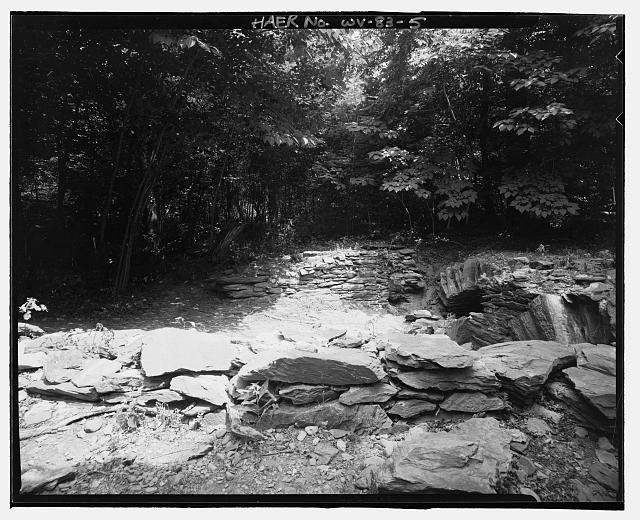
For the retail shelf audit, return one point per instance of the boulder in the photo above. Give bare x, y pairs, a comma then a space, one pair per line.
29, 330
411, 407
601, 358
605, 475
35, 478
30, 361
329, 366
331, 415
577, 406
171, 350
459, 289
475, 378
524, 366
306, 394
472, 402
432, 351
473, 457
378, 393
206, 387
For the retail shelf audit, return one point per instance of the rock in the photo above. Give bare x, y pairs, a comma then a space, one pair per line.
597, 388
163, 395
420, 315
370, 466
581, 432
605, 475
529, 492
235, 424
349, 340
39, 413
341, 445
301, 436
411, 408
537, 426
63, 390
433, 351
93, 424
472, 402
606, 457
311, 430
579, 407
475, 378
337, 433
551, 317
170, 350
61, 365
201, 408
378, 393
459, 289
426, 395
29, 330
325, 453
524, 366
206, 387
473, 457
35, 478
306, 394
545, 413
542, 265
362, 417
604, 444
584, 493
526, 465
94, 371
31, 361
601, 358
333, 366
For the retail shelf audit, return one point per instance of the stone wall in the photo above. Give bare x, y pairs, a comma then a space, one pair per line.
375, 274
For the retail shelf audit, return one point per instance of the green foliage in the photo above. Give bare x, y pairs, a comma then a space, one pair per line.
537, 194
29, 306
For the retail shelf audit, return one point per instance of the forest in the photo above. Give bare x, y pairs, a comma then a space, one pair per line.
137, 151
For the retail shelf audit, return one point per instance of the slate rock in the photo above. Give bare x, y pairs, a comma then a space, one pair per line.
472, 402
331, 415
601, 358
427, 351
331, 365
325, 453
545, 413
62, 365
537, 426
66, 390
349, 340
35, 478
475, 378
378, 393
209, 388
93, 424
606, 457
524, 366
411, 407
163, 395
605, 475
31, 360
579, 407
434, 396
306, 394
597, 388
171, 350
94, 371
471, 458
40, 412
605, 444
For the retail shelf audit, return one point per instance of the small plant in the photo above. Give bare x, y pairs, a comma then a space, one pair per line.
31, 305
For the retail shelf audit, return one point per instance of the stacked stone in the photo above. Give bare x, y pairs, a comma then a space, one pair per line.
433, 371
244, 286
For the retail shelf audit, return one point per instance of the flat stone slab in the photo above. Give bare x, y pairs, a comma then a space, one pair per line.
332, 366
524, 366
332, 415
597, 388
601, 358
164, 395
212, 389
428, 351
378, 393
471, 458
35, 478
171, 350
475, 378
307, 394
62, 365
68, 390
406, 408
434, 396
94, 371
472, 402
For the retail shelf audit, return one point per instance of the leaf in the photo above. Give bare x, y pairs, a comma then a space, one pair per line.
27, 315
